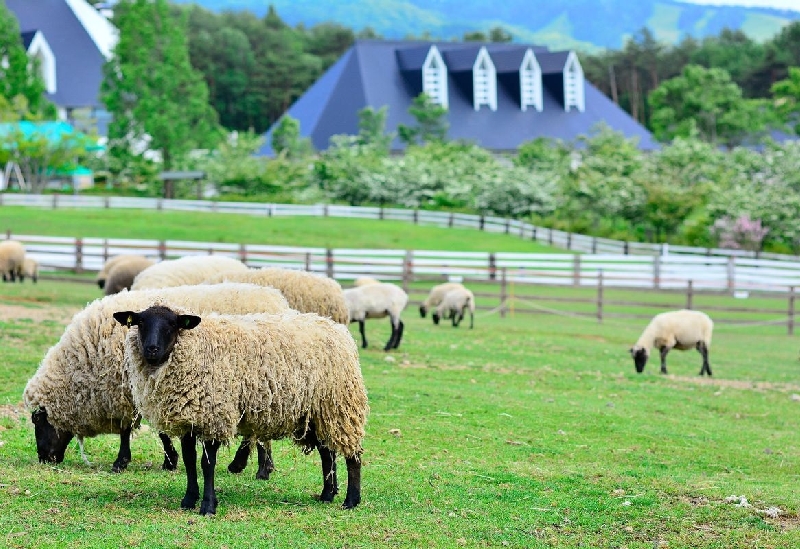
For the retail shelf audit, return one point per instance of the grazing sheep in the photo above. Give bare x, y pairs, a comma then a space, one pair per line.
109, 264
121, 275
12, 256
377, 301
192, 269
269, 376
681, 330
364, 280
453, 305
436, 295
306, 292
30, 268
80, 387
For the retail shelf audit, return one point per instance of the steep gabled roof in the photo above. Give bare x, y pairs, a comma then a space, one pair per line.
552, 62
27, 38
81, 40
376, 73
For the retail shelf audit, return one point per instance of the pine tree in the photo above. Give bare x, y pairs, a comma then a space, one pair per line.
155, 96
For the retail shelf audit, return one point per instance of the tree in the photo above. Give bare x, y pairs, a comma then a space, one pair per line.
286, 139
787, 99
157, 100
705, 100
431, 122
19, 75
372, 129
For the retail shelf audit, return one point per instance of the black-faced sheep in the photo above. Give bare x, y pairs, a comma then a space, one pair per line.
377, 301
453, 305
184, 271
12, 256
121, 275
681, 330
269, 376
306, 292
81, 388
109, 264
30, 268
436, 295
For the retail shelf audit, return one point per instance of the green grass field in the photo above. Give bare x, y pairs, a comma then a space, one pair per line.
528, 431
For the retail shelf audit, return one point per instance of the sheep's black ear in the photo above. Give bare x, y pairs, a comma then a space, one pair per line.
127, 318
187, 322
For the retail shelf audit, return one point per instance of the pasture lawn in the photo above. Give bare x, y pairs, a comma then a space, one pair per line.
528, 431
327, 232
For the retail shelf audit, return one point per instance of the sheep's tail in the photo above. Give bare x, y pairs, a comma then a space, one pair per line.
83, 454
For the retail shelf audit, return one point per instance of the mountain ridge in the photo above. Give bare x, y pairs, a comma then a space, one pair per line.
559, 25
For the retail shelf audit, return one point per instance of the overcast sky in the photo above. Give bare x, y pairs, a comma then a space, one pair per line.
779, 4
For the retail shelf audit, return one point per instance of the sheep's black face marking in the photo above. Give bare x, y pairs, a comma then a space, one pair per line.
158, 330
50, 444
639, 359
422, 311
101, 283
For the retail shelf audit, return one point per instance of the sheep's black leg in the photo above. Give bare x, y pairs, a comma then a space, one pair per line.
704, 352
455, 319
330, 484
664, 351
400, 327
242, 455
353, 496
471, 319
265, 465
170, 453
209, 462
189, 451
392, 337
363, 334
124, 454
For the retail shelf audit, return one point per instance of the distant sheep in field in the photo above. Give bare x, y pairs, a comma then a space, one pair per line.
122, 274
683, 330
12, 256
269, 376
184, 271
109, 264
377, 301
364, 280
306, 292
30, 268
454, 304
436, 295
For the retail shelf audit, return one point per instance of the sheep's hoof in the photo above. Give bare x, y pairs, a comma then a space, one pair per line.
119, 466
235, 467
350, 504
188, 502
208, 507
263, 474
170, 463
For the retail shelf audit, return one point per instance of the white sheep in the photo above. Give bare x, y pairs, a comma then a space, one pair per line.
121, 274
306, 292
270, 376
30, 268
192, 269
80, 387
364, 280
453, 305
12, 256
681, 330
436, 295
109, 264
377, 301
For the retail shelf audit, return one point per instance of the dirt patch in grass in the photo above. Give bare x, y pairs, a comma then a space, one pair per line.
736, 384
36, 313
785, 522
12, 411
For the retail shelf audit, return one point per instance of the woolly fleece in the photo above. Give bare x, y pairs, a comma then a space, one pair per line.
268, 376
121, 275
306, 292
679, 329
438, 292
109, 264
12, 255
455, 300
192, 269
81, 381
30, 268
375, 301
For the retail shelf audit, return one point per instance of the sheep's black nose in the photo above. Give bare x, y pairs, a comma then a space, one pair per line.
151, 350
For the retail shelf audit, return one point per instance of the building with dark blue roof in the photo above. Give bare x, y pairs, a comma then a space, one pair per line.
73, 41
498, 95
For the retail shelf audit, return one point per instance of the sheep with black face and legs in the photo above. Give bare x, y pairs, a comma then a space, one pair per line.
682, 330
120, 275
436, 295
454, 304
377, 301
12, 257
81, 389
270, 376
109, 264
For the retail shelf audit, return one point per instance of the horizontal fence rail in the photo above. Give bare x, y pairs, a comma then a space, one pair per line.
553, 237
706, 273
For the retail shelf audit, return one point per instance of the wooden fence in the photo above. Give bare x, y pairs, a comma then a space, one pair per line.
553, 237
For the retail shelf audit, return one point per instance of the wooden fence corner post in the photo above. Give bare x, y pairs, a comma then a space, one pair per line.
689, 295
503, 292
243, 253
600, 296
492, 266
329, 262
791, 310
78, 255
576, 270
408, 270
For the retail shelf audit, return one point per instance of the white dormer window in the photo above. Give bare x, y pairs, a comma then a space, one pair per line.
530, 82
434, 77
484, 81
40, 50
573, 84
